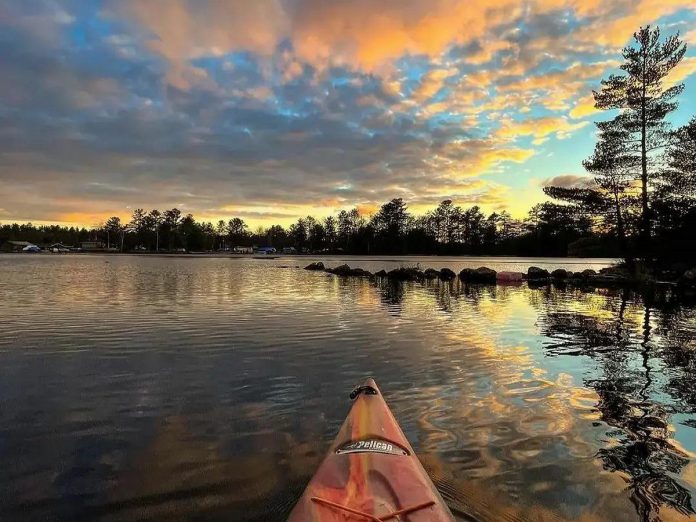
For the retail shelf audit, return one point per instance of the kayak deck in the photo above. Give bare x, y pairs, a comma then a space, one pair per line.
371, 472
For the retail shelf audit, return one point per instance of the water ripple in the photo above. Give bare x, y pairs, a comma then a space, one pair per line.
137, 388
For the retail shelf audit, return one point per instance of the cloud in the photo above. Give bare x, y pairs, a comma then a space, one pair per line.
181, 32
690, 37
686, 68
539, 128
569, 181
585, 106
279, 108
431, 83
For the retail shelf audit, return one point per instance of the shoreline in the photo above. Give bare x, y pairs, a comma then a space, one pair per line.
500, 259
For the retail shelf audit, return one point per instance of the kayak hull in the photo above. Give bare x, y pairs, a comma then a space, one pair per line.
371, 472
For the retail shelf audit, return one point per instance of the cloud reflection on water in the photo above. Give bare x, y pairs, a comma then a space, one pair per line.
173, 388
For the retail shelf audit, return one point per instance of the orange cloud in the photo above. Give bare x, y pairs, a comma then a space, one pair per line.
539, 128
690, 37
585, 106
431, 83
610, 29
488, 49
180, 34
686, 68
342, 31
370, 36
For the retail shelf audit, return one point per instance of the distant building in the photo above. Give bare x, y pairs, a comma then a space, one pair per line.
243, 250
92, 245
15, 246
59, 247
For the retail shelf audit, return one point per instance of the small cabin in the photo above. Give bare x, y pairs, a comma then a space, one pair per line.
92, 245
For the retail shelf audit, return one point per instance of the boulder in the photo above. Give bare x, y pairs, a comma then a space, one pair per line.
341, 270
359, 272
447, 275
315, 266
534, 272
481, 274
405, 274
560, 274
466, 274
587, 273
431, 273
381, 273
509, 277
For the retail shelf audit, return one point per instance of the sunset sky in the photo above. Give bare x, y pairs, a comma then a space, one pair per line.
271, 110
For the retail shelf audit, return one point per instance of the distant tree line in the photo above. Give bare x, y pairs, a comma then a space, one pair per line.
44, 234
554, 230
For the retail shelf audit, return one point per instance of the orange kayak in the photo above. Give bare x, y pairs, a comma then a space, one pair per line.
371, 472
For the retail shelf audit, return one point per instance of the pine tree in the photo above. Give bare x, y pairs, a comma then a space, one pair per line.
614, 164
644, 100
680, 177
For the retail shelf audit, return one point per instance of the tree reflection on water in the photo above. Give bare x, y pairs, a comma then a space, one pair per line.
627, 359
644, 348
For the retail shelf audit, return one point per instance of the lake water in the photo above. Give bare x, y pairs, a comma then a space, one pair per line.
144, 388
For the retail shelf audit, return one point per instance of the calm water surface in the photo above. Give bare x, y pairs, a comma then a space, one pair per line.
141, 388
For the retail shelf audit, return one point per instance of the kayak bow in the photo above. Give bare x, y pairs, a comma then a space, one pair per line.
371, 472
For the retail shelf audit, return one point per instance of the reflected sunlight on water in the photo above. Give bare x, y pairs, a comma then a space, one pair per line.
142, 388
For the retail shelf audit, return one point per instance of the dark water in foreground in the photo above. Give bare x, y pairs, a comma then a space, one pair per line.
209, 389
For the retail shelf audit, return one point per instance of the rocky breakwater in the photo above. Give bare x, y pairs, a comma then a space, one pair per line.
535, 277
397, 274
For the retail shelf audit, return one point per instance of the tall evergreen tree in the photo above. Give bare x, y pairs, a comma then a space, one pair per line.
613, 165
645, 101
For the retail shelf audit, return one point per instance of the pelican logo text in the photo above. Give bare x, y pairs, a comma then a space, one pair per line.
371, 446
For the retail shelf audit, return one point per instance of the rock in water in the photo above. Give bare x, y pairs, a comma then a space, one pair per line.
560, 274
509, 277
447, 275
466, 274
483, 274
405, 274
431, 273
534, 272
315, 266
342, 270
